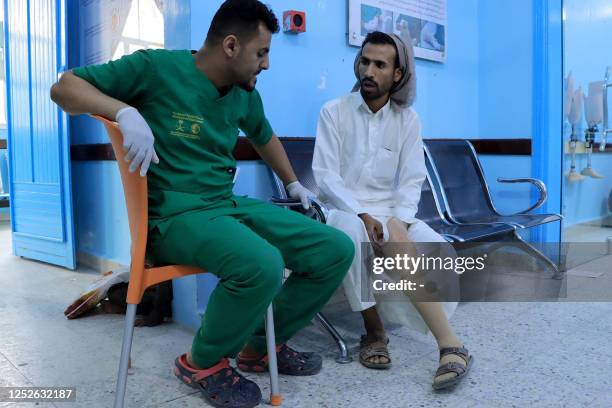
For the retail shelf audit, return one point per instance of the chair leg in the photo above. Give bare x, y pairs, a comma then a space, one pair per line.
343, 355
557, 274
130, 317
276, 398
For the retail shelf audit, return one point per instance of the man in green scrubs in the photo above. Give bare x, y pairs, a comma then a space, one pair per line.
180, 114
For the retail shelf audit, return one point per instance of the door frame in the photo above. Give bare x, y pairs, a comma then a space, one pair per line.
547, 140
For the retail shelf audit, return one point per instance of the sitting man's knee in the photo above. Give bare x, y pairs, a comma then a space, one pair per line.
342, 247
264, 270
334, 248
271, 266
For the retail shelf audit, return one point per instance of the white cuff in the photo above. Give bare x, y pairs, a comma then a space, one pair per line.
123, 110
406, 215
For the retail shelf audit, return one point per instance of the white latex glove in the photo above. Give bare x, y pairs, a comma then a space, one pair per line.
297, 191
137, 140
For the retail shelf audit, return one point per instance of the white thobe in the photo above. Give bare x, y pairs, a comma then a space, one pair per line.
373, 163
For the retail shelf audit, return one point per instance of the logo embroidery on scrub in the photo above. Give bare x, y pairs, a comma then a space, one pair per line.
195, 129
193, 122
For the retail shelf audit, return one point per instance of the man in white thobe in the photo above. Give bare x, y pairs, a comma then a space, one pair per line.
369, 166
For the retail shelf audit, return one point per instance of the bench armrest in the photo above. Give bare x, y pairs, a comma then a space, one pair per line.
539, 185
317, 210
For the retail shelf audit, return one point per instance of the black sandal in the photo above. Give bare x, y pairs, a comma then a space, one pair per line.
221, 385
290, 362
374, 347
453, 367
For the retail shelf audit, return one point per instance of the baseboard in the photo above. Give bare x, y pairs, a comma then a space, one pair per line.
96, 263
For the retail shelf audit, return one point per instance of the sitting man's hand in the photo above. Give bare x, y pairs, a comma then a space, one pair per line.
137, 140
297, 191
374, 229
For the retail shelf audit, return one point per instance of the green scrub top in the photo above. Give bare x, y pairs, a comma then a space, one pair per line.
195, 127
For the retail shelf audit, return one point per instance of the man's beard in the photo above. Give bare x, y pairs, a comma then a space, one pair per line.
247, 86
373, 93
370, 96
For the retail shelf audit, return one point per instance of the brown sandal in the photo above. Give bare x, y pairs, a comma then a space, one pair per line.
374, 347
453, 367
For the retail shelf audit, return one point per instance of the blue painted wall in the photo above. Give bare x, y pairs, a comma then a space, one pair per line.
505, 68
447, 93
100, 214
587, 33
505, 89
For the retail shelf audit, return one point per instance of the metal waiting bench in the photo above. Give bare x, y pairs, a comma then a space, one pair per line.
466, 197
463, 213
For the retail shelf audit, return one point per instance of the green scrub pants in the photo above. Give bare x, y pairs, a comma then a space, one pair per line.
247, 244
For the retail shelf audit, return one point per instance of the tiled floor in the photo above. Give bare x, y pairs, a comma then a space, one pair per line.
587, 232
553, 354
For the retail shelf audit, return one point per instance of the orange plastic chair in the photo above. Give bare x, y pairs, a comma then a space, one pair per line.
141, 278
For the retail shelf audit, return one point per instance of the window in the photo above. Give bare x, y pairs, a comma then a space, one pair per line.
144, 28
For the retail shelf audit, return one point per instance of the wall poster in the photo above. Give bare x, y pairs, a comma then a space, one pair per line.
423, 21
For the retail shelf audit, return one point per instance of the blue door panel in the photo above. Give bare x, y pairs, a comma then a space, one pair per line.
41, 204
18, 90
47, 251
38, 211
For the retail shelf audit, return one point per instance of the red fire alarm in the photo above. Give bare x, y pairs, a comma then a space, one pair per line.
294, 21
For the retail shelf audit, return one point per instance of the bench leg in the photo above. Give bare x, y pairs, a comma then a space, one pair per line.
343, 355
557, 273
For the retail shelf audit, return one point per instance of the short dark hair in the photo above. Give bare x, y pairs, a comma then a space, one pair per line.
380, 38
241, 18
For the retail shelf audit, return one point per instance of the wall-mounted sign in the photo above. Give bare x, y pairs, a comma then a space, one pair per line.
423, 21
